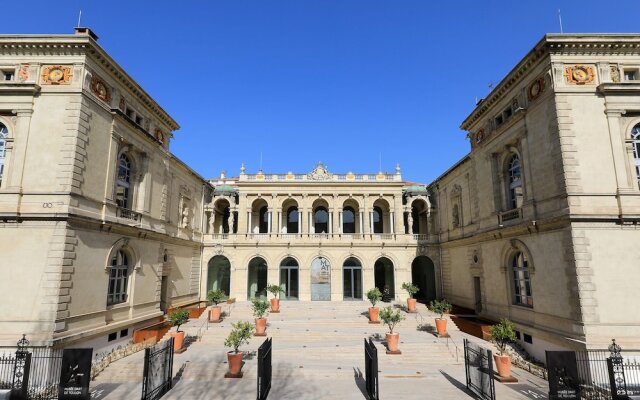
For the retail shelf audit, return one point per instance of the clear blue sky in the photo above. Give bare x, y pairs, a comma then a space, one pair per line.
334, 80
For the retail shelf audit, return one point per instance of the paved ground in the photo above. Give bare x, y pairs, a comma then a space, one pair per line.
317, 354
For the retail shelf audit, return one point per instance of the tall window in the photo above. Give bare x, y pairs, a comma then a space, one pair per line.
118, 278
264, 219
635, 143
514, 174
4, 132
348, 220
377, 220
522, 294
321, 220
292, 220
123, 182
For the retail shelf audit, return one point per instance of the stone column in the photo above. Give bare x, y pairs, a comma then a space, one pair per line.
361, 221
310, 222
279, 222
330, 225
340, 222
300, 213
269, 213
249, 229
242, 215
392, 221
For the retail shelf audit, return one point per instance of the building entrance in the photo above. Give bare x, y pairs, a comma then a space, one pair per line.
289, 278
320, 279
352, 280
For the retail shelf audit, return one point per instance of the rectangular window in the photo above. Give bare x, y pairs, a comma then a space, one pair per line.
508, 113
499, 120
139, 120
518, 335
630, 74
128, 112
112, 336
528, 338
7, 75
124, 332
117, 285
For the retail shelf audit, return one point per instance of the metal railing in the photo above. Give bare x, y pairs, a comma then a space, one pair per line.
371, 369
125, 213
510, 215
264, 369
317, 236
331, 177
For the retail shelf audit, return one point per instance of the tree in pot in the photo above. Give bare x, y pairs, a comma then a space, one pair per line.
275, 290
215, 297
502, 334
260, 308
411, 289
440, 307
391, 317
374, 296
239, 335
177, 318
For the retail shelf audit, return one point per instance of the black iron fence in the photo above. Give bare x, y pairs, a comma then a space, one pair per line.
478, 364
158, 370
371, 369
264, 369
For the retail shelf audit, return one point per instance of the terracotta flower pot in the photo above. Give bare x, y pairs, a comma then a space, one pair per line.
503, 365
392, 341
373, 314
235, 362
411, 305
441, 326
178, 340
214, 314
261, 326
275, 305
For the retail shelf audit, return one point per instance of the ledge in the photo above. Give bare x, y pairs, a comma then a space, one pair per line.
9, 87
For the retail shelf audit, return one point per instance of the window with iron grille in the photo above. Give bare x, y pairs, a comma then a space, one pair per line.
118, 278
123, 182
522, 293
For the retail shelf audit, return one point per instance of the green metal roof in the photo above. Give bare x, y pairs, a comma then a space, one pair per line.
224, 189
415, 189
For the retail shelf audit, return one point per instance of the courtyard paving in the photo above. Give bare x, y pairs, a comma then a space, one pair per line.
317, 354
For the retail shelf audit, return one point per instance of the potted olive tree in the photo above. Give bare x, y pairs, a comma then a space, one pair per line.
374, 296
391, 317
440, 307
177, 318
239, 335
275, 290
215, 297
411, 289
260, 308
503, 333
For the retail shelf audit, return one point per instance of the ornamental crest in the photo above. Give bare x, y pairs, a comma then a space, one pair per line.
319, 173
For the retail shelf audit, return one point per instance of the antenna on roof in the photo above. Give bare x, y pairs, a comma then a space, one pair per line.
261, 161
560, 19
79, 18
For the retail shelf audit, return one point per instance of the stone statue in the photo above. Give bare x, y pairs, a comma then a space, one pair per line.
212, 221
231, 221
455, 216
185, 216
410, 222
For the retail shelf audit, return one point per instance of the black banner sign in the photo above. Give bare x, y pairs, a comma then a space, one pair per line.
75, 374
563, 375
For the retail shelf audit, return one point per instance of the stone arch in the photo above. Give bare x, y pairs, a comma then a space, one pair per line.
384, 275
423, 275
219, 274
257, 277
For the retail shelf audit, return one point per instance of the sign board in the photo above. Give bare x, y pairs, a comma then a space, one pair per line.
563, 375
75, 374
320, 279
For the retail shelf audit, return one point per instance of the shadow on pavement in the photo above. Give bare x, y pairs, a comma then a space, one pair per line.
457, 384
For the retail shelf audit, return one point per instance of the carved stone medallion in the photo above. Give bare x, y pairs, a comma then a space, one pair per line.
100, 89
56, 75
536, 89
579, 74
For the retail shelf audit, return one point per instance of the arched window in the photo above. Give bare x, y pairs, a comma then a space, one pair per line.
118, 278
321, 220
4, 133
635, 144
292, 220
123, 182
514, 176
377, 220
522, 294
348, 220
264, 220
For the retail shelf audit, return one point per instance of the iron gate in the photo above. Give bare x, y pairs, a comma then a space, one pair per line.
371, 369
478, 364
264, 369
158, 370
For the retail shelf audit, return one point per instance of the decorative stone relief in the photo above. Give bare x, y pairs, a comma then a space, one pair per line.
122, 103
23, 73
319, 173
536, 89
579, 74
100, 89
614, 73
56, 75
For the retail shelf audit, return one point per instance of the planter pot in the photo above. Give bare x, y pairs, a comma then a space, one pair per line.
275, 305
411, 305
373, 314
261, 326
503, 365
235, 362
392, 341
214, 314
441, 326
178, 340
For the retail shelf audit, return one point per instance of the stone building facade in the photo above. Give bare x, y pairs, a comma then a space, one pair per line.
102, 229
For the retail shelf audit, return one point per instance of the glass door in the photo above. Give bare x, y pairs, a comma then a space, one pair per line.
289, 282
352, 283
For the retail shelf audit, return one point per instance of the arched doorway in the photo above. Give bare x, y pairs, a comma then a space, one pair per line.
384, 276
257, 278
352, 279
289, 278
219, 276
423, 275
320, 279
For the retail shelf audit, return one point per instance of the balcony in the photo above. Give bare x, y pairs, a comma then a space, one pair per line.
510, 215
125, 213
315, 237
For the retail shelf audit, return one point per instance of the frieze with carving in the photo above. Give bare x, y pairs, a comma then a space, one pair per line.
614, 72
122, 103
480, 136
56, 75
319, 173
536, 88
160, 135
23, 73
100, 89
579, 74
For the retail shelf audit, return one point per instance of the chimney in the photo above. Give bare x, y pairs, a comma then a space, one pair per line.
84, 31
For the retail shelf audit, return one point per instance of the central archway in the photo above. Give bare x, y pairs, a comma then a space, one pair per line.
257, 278
423, 275
384, 277
320, 279
219, 276
289, 278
